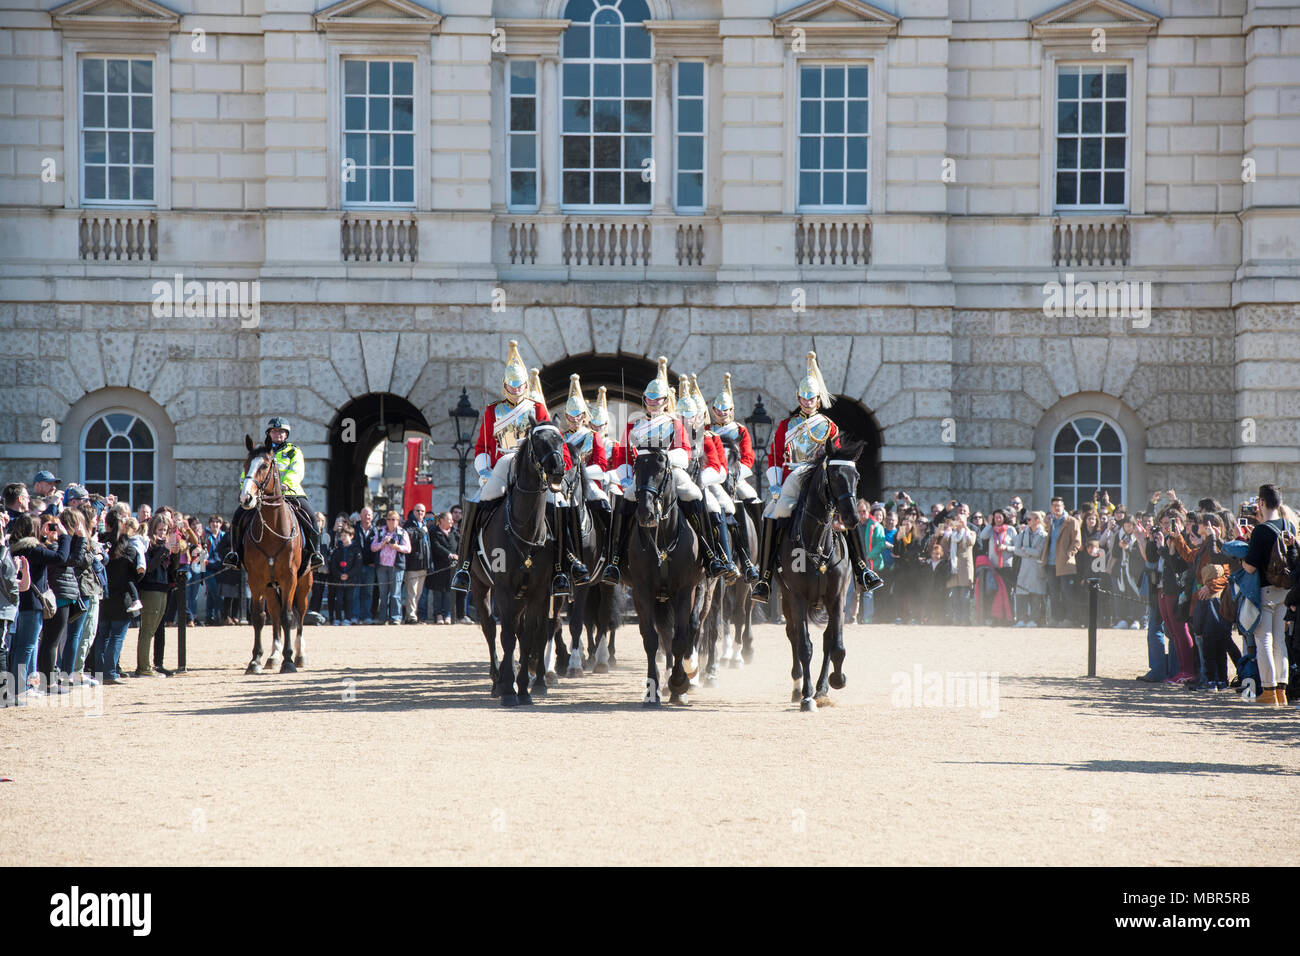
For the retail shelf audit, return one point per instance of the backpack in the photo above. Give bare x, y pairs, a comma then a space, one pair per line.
1281, 558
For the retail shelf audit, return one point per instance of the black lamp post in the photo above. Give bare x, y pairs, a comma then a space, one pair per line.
465, 416
760, 433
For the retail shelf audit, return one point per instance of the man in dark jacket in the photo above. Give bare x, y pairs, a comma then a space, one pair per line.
417, 564
345, 564
444, 540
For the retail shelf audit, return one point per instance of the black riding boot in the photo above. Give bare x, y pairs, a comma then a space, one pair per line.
581, 574
310, 544
460, 580
235, 554
770, 536
620, 525
694, 511
863, 577
743, 548
722, 540
560, 581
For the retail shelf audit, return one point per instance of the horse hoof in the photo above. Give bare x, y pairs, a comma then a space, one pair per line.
654, 704
509, 700
539, 688
300, 661
551, 678
808, 705
525, 699
839, 680
710, 681
824, 700
678, 686
253, 669
287, 667
679, 700
733, 663
600, 669
573, 672
496, 691
747, 655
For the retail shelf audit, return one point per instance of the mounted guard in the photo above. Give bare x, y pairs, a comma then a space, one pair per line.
291, 465
709, 467
587, 451
802, 441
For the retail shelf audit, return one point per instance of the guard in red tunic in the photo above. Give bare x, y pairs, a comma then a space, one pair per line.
600, 424
735, 434
504, 426
656, 429
709, 469
587, 450
799, 444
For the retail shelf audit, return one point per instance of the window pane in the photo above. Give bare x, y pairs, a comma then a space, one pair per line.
1062, 470
142, 148
810, 193
607, 188
97, 434
96, 464
1067, 85
833, 189
378, 76
606, 116
857, 158
354, 147
1067, 153
577, 41
354, 76
634, 11
690, 190
119, 465
143, 465
142, 181
92, 75
1115, 152
1090, 153
378, 113
1087, 427
577, 152
92, 110
1091, 117
810, 82
856, 191
690, 79
1091, 81
119, 182
139, 435
1116, 83
690, 115
638, 116
833, 152
605, 42
577, 187
1067, 117
810, 117
1108, 440
523, 113
810, 152
403, 185
608, 152
638, 148
118, 76
636, 189
379, 185
577, 116
833, 114
1089, 188
379, 149
1089, 471
638, 43
1114, 189
834, 81
690, 152
523, 77
403, 78
579, 10
858, 81
523, 150
1110, 472
523, 189
402, 109
95, 179
1067, 185
96, 143
119, 148
577, 79
119, 112
608, 80
354, 112
637, 80
356, 188
1115, 115
142, 112
858, 116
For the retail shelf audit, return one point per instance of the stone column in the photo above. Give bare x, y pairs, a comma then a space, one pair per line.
663, 136
549, 163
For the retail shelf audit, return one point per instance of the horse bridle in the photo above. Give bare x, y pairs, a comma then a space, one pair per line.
264, 497
824, 490
660, 553
540, 467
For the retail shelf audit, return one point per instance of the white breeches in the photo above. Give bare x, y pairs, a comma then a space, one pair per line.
495, 484
745, 491
687, 490
718, 501
782, 506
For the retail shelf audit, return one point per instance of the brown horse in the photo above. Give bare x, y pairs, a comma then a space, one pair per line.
272, 557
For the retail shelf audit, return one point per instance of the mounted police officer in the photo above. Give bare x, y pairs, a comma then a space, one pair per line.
800, 443
291, 465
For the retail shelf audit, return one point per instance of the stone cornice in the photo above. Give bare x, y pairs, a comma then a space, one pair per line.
1074, 22
402, 17
115, 18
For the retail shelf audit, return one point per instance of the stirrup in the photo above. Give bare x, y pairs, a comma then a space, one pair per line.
579, 570
760, 591
460, 580
751, 573
231, 560
560, 585
611, 574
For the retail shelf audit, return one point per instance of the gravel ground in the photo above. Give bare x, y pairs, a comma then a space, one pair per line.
388, 749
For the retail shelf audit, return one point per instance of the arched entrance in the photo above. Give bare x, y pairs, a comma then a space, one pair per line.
855, 422
359, 426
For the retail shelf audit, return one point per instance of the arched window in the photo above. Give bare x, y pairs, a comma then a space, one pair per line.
1087, 457
608, 99
118, 450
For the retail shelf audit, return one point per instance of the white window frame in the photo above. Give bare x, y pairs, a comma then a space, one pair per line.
703, 134
337, 50
536, 168
344, 132
131, 482
797, 168
1127, 67
1069, 421
1121, 50
130, 130
116, 48
655, 119
872, 55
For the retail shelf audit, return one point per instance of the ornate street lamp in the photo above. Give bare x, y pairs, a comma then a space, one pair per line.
759, 423
465, 416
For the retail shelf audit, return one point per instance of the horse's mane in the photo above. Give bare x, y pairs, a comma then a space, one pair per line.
849, 450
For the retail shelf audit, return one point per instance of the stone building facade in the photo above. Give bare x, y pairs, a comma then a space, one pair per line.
894, 185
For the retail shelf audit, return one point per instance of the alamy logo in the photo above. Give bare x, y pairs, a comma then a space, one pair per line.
194, 299
1087, 299
923, 688
103, 909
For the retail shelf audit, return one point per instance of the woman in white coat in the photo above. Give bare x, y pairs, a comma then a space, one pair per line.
1031, 580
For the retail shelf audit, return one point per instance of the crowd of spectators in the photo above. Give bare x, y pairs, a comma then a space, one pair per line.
1190, 576
80, 570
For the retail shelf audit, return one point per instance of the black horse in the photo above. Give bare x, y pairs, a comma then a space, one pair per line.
816, 571
601, 615
663, 572
515, 556
590, 550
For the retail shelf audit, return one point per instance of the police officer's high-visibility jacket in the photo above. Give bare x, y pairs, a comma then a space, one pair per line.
289, 462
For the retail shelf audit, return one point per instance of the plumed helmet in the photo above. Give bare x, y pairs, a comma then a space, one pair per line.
701, 404
535, 387
813, 385
657, 390
724, 402
577, 405
278, 422
600, 414
514, 383
687, 410
670, 408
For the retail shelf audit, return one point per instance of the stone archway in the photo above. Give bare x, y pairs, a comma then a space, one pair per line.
353, 433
